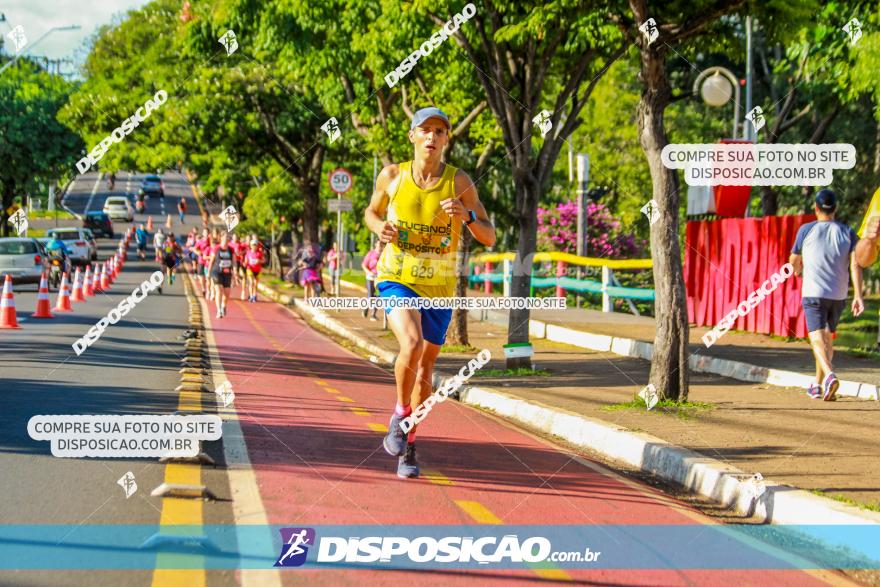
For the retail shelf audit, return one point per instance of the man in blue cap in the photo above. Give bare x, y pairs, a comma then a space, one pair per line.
420, 208
823, 253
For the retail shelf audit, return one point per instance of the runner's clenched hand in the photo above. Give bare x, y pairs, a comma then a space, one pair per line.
454, 208
389, 232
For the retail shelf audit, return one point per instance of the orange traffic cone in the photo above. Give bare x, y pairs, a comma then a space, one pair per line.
168, 222
150, 224
105, 282
88, 290
43, 299
7, 306
63, 303
77, 295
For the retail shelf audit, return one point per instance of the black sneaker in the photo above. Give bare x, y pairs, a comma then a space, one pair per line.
395, 440
408, 466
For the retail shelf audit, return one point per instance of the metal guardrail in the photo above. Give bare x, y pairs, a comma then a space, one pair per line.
609, 287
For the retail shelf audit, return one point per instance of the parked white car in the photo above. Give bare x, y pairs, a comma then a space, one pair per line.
118, 207
77, 240
22, 258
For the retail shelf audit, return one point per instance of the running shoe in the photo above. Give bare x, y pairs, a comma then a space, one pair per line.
830, 387
219, 313
408, 466
815, 391
395, 440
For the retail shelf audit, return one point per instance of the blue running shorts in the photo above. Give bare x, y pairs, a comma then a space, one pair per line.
435, 321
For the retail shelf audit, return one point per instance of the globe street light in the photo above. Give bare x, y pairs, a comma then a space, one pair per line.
716, 89
72, 27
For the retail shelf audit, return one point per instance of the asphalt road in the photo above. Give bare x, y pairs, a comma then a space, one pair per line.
131, 369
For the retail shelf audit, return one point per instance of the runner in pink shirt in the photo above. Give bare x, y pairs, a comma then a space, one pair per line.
371, 260
253, 261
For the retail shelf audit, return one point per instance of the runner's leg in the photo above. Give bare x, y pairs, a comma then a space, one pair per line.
820, 352
423, 382
406, 324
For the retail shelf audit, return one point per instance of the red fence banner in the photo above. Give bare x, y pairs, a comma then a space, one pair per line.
728, 259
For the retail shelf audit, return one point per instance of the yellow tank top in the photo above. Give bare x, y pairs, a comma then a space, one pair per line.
423, 256
873, 210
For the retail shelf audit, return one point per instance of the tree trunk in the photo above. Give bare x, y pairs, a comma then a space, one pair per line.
7, 192
769, 201
518, 320
669, 362
458, 332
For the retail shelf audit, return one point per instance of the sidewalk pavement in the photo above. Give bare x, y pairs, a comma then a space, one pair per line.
748, 428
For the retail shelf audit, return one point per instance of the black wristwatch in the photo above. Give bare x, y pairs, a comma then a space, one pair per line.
472, 217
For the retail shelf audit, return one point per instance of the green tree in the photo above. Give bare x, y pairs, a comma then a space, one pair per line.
679, 25
35, 147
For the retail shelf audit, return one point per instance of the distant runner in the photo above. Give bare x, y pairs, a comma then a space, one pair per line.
141, 236
222, 267
253, 261
427, 203
181, 209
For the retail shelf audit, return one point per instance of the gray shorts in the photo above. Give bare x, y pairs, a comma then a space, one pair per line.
822, 313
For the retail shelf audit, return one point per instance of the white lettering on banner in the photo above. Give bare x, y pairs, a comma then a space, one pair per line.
744, 308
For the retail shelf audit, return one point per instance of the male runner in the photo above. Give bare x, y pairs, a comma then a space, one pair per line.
822, 252
427, 203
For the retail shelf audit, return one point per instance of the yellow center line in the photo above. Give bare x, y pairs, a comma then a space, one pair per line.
360, 412
377, 427
482, 515
344, 398
181, 512
436, 477
331, 390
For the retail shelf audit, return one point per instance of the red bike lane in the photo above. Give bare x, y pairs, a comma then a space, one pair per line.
313, 415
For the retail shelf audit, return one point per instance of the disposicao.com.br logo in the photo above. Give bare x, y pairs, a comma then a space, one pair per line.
416, 549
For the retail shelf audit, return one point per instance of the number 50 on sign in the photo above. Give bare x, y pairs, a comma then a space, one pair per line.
340, 180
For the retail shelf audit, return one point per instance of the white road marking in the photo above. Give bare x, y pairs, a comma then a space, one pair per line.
94, 189
247, 505
69, 189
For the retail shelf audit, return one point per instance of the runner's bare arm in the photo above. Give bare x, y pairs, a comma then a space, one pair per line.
374, 215
468, 199
858, 304
797, 262
868, 247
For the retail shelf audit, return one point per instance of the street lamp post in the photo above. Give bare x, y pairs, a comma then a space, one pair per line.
716, 90
72, 27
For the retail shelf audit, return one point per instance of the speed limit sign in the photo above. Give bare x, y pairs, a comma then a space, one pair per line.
340, 180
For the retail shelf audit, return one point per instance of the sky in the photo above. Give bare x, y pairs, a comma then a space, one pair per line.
38, 16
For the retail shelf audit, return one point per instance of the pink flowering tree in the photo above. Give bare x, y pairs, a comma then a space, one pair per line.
557, 231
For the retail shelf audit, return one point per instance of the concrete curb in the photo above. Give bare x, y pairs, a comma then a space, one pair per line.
629, 347
724, 484
710, 478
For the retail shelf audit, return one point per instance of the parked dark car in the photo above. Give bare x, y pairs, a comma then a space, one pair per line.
99, 223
